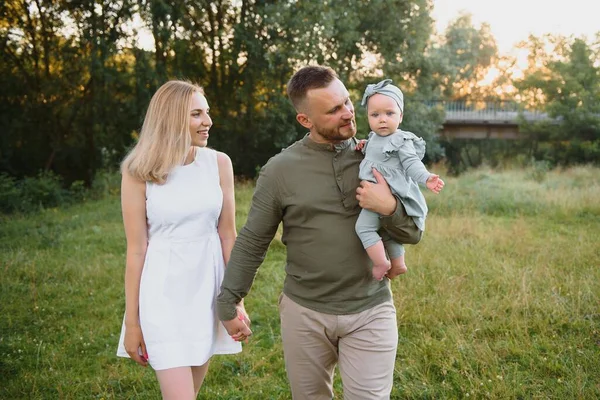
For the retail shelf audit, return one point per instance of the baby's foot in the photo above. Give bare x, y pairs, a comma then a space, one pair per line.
398, 267
379, 270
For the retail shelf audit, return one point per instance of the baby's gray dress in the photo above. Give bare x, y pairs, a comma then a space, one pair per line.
398, 158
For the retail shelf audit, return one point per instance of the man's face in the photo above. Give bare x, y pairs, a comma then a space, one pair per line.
329, 113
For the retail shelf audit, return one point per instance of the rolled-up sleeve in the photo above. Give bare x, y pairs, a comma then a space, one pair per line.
401, 226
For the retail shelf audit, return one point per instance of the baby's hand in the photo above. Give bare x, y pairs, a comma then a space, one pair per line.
435, 183
360, 145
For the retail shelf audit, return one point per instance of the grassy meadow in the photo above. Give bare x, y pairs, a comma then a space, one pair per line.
501, 301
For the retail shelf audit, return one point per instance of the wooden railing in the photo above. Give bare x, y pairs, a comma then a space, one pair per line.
482, 112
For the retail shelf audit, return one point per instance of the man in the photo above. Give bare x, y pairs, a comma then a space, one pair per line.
332, 310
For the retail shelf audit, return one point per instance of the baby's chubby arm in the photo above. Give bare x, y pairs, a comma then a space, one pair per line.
415, 168
412, 164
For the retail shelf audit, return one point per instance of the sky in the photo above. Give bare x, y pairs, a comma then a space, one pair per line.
513, 20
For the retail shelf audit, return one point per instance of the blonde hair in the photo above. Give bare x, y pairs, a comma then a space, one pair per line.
165, 135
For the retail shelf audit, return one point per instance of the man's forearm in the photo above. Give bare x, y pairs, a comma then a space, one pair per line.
250, 246
245, 259
389, 206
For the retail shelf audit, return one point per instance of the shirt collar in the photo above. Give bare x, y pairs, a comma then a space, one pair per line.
311, 144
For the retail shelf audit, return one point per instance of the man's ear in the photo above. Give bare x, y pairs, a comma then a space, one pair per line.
304, 120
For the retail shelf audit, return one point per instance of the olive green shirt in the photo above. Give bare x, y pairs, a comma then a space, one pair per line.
311, 188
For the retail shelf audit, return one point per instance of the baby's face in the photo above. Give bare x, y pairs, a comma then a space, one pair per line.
384, 114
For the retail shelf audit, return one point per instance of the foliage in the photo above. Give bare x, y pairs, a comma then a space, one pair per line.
10, 195
500, 300
540, 169
450, 70
561, 84
566, 84
75, 84
47, 190
106, 183
465, 154
64, 82
457, 61
425, 122
33, 193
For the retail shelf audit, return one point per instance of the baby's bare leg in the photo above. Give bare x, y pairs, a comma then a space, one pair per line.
398, 267
380, 262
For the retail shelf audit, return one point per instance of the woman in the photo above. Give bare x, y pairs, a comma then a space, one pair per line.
178, 207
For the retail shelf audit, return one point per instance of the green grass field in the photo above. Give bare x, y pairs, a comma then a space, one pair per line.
501, 300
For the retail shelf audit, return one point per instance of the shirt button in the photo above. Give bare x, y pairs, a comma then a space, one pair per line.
339, 178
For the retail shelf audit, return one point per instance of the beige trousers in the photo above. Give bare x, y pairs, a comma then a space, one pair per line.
363, 345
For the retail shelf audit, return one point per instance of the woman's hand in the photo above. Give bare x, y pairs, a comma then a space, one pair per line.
239, 327
242, 315
134, 342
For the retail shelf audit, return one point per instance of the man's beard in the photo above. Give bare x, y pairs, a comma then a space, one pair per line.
337, 134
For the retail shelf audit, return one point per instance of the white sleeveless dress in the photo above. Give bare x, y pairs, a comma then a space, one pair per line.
183, 268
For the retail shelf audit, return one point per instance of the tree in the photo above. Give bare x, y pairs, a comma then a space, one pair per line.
451, 69
458, 61
62, 91
75, 86
244, 53
565, 82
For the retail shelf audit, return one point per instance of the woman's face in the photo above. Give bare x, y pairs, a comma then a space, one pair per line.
200, 121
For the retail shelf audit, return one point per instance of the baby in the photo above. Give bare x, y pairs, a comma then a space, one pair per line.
397, 155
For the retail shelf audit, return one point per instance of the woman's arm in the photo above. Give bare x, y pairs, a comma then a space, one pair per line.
227, 230
133, 204
226, 226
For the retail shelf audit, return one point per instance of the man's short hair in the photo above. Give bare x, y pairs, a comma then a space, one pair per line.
307, 78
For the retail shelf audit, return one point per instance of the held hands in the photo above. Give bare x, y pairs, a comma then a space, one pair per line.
435, 183
134, 345
239, 327
376, 197
243, 315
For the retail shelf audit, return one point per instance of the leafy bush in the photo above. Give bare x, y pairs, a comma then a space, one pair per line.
48, 190
45, 190
106, 183
539, 169
30, 193
10, 195
77, 192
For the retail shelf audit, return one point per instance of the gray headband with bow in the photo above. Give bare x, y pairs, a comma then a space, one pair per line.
386, 88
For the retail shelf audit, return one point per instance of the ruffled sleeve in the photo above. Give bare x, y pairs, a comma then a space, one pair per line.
364, 149
400, 138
